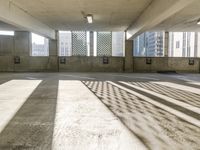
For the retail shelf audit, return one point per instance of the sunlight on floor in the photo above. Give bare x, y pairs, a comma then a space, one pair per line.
13, 95
83, 122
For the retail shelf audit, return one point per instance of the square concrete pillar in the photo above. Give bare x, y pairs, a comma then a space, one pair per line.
128, 56
166, 44
91, 43
53, 50
53, 46
52, 64
22, 43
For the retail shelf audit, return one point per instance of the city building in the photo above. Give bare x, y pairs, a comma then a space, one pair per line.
149, 44
65, 43
40, 48
184, 44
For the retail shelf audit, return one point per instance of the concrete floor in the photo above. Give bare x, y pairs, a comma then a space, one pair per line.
99, 111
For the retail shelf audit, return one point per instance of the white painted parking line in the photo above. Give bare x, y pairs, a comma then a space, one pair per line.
13, 95
180, 87
83, 122
179, 114
166, 98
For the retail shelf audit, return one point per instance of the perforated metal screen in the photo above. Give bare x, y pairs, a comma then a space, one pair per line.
104, 44
79, 43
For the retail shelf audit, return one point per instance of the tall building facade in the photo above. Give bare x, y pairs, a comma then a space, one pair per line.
154, 44
65, 43
149, 44
139, 48
40, 49
118, 46
184, 44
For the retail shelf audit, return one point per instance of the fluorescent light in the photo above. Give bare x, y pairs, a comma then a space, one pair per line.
89, 18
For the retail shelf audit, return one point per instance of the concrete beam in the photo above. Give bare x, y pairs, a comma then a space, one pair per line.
12, 14
155, 13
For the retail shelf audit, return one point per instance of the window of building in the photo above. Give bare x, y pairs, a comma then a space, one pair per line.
184, 44
8, 33
149, 44
40, 45
65, 43
177, 44
88, 42
118, 43
95, 43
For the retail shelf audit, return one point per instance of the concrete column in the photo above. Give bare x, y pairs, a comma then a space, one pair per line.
22, 47
22, 43
91, 43
166, 44
128, 56
53, 48
53, 63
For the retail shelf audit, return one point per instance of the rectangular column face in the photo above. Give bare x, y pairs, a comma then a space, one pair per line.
166, 44
104, 44
128, 56
91, 43
79, 43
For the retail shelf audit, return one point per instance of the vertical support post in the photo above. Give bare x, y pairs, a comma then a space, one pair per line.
53, 46
91, 43
166, 44
53, 54
128, 56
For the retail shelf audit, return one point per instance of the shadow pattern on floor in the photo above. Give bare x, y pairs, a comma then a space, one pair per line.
184, 96
155, 127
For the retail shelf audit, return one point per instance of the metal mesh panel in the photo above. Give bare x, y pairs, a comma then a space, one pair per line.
104, 44
79, 43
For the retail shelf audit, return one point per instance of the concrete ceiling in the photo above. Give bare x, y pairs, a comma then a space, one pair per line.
111, 15
134, 16
184, 20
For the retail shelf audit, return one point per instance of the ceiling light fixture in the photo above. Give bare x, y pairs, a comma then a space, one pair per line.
89, 18
198, 22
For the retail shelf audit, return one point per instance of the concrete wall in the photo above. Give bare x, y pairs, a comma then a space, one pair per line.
166, 64
6, 53
92, 64
20, 45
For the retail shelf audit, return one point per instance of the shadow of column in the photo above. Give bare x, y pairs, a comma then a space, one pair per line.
32, 126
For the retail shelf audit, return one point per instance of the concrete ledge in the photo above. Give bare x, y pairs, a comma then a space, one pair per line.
95, 64
166, 64
92, 64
